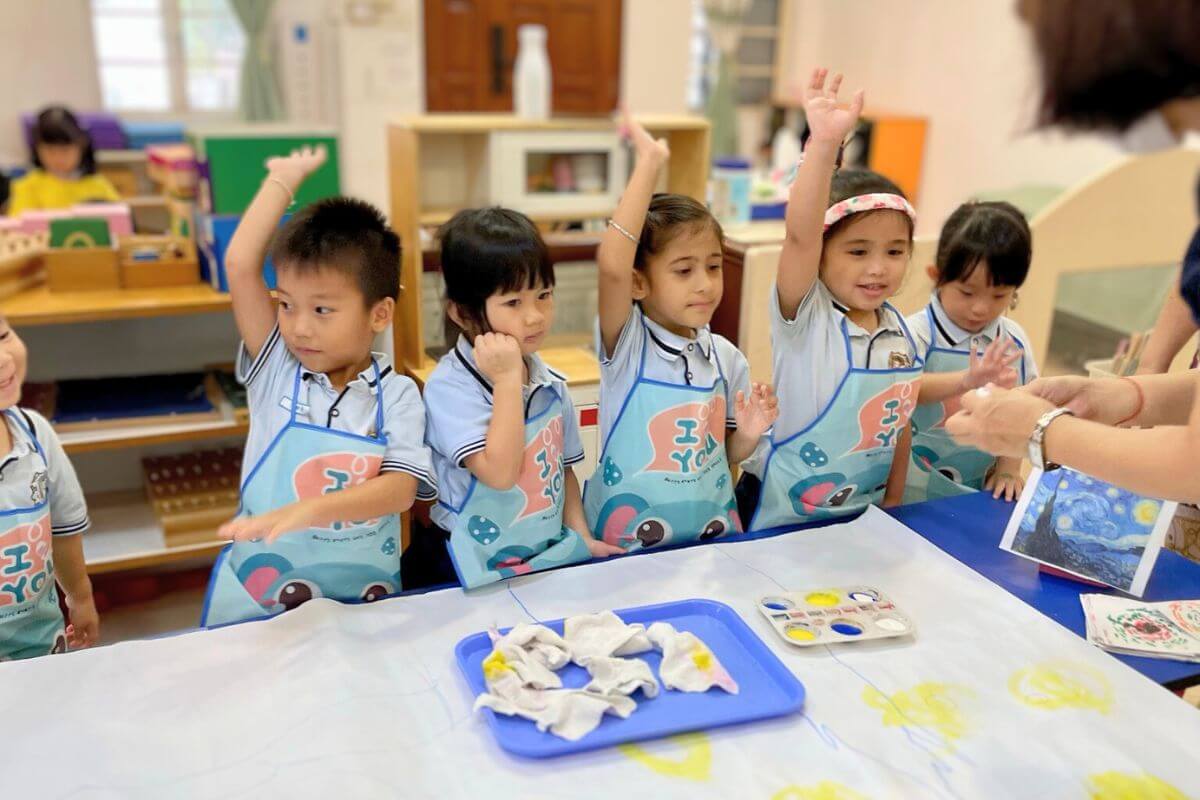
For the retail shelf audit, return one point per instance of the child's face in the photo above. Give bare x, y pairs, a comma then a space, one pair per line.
972, 303
682, 285
324, 320
60, 159
12, 365
524, 314
863, 264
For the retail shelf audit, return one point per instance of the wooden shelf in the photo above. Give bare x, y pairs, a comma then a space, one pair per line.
126, 535
140, 435
40, 306
433, 217
487, 122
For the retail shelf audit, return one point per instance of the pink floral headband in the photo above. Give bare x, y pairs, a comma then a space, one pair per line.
867, 202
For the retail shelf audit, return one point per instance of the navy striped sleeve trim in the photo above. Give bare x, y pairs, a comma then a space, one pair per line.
556, 374
425, 493
257, 365
393, 465
461, 455
573, 459
62, 530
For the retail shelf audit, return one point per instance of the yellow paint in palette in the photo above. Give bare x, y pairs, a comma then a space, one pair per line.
926, 705
1054, 685
799, 634
825, 790
1123, 786
696, 764
822, 599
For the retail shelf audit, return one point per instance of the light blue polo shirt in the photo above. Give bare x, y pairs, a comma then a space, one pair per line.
269, 379
670, 358
948, 335
458, 407
24, 480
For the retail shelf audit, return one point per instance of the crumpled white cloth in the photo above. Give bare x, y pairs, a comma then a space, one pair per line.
542, 643
569, 713
622, 676
687, 664
602, 635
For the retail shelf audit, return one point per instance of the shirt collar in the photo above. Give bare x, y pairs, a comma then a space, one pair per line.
672, 346
22, 445
365, 379
539, 373
889, 320
951, 332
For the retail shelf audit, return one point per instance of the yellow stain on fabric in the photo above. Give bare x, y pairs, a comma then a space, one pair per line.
825, 790
926, 705
695, 765
1123, 786
494, 665
1052, 685
702, 658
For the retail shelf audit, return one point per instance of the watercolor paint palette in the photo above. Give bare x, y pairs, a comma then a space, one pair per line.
834, 616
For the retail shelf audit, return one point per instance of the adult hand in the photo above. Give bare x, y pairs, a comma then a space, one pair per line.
997, 421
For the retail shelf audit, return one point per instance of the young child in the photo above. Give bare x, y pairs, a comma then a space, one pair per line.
500, 422
41, 522
336, 446
669, 388
845, 365
64, 170
983, 257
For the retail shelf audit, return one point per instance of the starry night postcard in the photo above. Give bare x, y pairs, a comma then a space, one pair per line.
1089, 528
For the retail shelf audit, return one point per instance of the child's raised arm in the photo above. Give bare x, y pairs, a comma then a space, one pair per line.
809, 196
618, 246
253, 309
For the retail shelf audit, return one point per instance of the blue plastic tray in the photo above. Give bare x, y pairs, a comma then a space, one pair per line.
767, 688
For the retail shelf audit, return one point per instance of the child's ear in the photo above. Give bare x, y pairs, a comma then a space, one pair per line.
641, 284
382, 314
462, 320
932, 272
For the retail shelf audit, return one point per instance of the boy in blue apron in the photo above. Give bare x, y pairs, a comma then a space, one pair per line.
676, 403
846, 368
501, 424
42, 518
336, 446
983, 257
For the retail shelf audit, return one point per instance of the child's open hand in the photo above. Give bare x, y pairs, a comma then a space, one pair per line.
84, 628
269, 526
826, 121
644, 145
298, 165
1004, 484
498, 356
756, 413
994, 365
600, 549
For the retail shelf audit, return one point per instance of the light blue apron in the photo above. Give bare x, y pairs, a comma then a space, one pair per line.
350, 561
31, 623
840, 463
499, 534
663, 476
940, 466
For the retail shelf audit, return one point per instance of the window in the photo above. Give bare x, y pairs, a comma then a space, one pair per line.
168, 55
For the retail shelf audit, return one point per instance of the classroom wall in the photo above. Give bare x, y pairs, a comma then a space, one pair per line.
966, 66
46, 56
656, 41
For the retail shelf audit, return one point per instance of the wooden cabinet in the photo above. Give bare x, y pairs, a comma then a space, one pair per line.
470, 47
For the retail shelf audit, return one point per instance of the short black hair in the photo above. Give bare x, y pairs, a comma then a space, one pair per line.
977, 232
487, 251
1105, 63
847, 183
345, 235
57, 125
667, 217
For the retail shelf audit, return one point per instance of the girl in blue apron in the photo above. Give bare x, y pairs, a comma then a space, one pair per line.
846, 368
983, 257
669, 388
500, 423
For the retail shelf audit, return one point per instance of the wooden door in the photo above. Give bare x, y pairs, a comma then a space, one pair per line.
471, 45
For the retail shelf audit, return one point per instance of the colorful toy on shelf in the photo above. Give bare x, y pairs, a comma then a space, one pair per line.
172, 167
80, 232
213, 233
156, 261
105, 129
117, 215
21, 260
193, 493
143, 135
231, 163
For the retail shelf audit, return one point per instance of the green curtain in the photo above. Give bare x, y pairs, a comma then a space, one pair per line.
260, 94
721, 108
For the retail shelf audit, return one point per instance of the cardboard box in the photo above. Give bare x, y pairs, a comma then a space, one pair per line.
83, 269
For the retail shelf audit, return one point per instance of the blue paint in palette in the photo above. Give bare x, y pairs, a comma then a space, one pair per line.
846, 629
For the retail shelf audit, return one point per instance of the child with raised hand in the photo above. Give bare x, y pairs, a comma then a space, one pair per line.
983, 257
42, 518
846, 368
336, 446
670, 389
501, 424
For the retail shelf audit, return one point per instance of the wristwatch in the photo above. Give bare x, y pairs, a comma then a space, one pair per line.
1037, 456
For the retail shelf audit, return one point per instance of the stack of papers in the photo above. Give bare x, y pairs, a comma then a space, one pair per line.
1153, 630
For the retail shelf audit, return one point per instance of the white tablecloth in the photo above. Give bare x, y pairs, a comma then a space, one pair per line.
990, 699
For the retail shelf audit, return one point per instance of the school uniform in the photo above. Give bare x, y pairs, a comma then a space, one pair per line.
845, 395
308, 438
941, 467
40, 498
666, 404
494, 534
